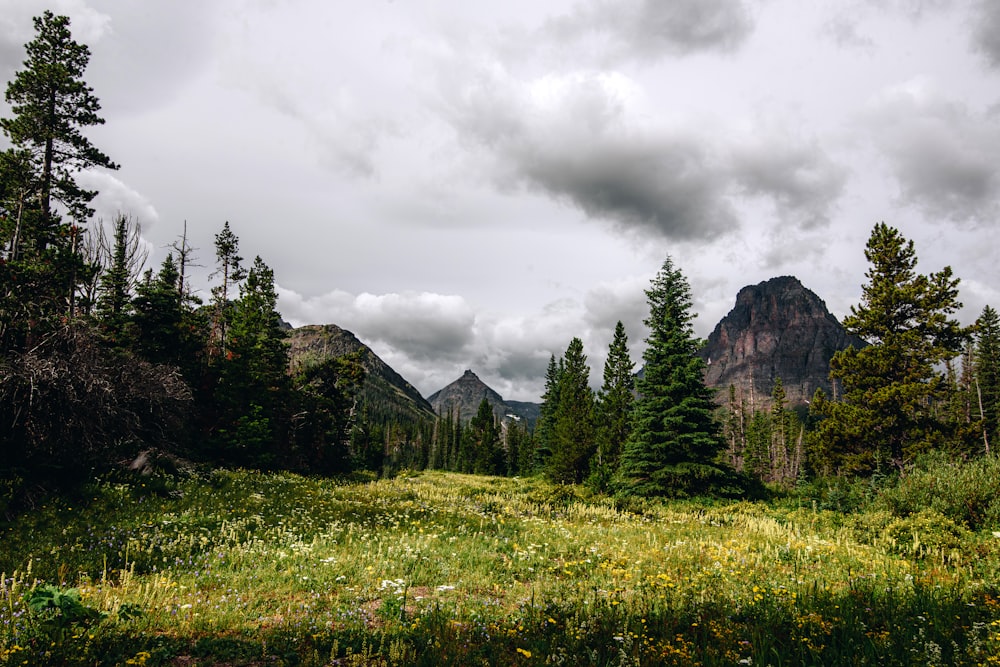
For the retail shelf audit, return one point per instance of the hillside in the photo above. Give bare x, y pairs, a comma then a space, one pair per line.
385, 391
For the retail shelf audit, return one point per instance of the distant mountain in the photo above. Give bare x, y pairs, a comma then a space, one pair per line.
467, 392
384, 389
777, 328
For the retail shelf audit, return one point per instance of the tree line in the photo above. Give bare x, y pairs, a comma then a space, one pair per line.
101, 357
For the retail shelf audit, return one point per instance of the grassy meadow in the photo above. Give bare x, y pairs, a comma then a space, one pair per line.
432, 568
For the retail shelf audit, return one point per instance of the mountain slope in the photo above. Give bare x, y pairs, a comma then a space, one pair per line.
777, 328
467, 392
385, 390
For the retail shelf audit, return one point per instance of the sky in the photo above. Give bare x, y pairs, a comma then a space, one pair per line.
470, 185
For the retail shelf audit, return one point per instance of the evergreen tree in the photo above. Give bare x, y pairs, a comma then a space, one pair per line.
674, 439
614, 408
573, 432
545, 426
484, 433
118, 281
987, 373
229, 265
254, 380
51, 103
892, 388
41, 263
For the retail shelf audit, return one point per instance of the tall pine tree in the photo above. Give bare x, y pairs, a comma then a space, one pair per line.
573, 441
674, 442
987, 374
614, 408
893, 387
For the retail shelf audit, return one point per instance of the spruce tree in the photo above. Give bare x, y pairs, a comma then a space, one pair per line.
987, 374
892, 388
573, 433
674, 441
545, 427
614, 408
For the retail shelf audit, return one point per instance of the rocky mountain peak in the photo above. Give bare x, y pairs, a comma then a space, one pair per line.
466, 393
778, 328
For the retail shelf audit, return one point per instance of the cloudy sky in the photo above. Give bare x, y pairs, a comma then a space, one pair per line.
472, 184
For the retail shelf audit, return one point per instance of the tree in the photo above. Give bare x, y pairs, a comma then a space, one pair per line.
987, 373
892, 387
674, 439
573, 441
487, 457
229, 265
614, 407
122, 261
43, 266
51, 103
546, 413
254, 379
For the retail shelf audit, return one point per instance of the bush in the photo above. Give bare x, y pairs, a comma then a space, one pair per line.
927, 533
967, 493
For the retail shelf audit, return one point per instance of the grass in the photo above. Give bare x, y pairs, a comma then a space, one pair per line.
237, 567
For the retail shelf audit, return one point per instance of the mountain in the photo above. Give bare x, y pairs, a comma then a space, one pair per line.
385, 390
467, 392
777, 328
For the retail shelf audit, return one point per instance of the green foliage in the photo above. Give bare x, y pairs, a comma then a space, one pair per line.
613, 409
925, 534
573, 432
58, 612
892, 388
674, 440
51, 103
987, 374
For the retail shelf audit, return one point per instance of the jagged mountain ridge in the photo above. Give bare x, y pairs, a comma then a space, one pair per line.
778, 328
316, 342
466, 393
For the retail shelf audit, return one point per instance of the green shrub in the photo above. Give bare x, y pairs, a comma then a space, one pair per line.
926, 533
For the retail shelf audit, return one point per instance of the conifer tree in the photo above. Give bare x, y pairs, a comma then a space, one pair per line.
892, 388
987, 374
229, 265
573, 432
51, 103
254, 379
42, 267
545, 427
674, 439
614, 408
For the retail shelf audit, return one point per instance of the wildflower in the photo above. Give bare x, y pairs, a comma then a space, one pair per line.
525, 652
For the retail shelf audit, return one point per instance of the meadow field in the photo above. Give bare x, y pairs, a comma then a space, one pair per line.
432, 568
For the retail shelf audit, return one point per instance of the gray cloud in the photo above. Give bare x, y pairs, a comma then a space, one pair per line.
569, 137
651, 29
986, 30
800, 179
942, 154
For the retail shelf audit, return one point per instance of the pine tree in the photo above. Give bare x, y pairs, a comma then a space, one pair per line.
229, 265
614, 408
51, 103
892, 387
484, 433
987, 373
42, 267
573, 432
254, 380
675, 439
544, 429
118, 281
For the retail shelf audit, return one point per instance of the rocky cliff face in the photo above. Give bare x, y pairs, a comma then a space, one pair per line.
777, 329
467, 392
